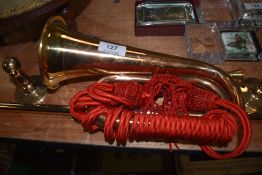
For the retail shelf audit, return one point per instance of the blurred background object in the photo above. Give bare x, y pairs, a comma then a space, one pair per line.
23, 20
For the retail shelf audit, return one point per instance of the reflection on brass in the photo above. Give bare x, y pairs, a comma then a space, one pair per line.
10, 8
64, 54
28, 89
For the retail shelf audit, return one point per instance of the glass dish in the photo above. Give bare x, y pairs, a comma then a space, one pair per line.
203, 42
218, 11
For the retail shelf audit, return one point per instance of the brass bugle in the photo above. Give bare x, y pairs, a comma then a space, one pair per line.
66, 54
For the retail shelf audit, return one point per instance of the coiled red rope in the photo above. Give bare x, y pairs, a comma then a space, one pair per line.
133, 113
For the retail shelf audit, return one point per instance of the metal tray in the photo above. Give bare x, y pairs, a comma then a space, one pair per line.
164, 13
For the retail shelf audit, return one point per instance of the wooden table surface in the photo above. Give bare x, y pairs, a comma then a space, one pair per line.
113, 22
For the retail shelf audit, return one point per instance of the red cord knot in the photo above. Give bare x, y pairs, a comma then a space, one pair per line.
201, 100
132, 92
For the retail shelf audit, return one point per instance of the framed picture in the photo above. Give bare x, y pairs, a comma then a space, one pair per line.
240, 45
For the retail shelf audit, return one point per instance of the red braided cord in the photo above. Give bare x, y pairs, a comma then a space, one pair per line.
246, 132
217, 127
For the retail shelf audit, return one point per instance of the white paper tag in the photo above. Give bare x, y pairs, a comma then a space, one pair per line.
112, 48
253, 6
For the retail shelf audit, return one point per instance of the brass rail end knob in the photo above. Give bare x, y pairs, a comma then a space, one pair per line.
29, 90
